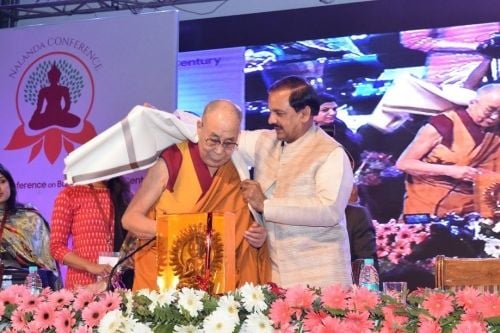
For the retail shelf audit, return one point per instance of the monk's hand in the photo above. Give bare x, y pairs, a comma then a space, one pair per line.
252, 193
462, 172
256, 235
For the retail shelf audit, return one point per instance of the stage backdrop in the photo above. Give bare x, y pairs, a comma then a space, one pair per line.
61, 84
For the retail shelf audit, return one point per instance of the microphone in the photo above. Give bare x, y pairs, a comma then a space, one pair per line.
109, 284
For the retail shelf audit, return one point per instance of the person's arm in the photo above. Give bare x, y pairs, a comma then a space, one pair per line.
135, 218
62, 218
410, 160
333, 183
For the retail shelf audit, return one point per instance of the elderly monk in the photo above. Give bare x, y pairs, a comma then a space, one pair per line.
447, 154
194, 178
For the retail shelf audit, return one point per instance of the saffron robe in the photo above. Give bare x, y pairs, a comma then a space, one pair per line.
191, 189
442, 194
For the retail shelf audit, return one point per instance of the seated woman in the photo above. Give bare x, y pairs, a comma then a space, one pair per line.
24, 237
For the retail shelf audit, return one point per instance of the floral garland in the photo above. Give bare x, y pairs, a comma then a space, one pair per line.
249, 309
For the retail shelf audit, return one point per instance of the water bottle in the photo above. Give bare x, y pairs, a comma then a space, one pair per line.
368, 277
6, 281
33, 281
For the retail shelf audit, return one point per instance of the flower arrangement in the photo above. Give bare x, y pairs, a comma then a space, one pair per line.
396, 240
249, 309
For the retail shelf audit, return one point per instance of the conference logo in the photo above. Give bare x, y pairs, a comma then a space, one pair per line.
54, 98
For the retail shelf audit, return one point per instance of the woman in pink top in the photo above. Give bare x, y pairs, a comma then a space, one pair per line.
89, 215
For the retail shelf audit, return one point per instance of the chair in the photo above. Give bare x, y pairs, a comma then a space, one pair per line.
458, 273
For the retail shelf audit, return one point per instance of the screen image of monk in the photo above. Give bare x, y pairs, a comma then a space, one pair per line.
447, 155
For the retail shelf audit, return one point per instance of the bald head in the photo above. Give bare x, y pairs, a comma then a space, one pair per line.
489, 89
218, 132
485, 108
224, 108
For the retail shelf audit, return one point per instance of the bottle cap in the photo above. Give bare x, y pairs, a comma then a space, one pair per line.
33, 269
369, 261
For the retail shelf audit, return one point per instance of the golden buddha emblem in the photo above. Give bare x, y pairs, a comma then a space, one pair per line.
188, 257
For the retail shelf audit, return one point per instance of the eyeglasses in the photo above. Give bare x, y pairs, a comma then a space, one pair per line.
214, 143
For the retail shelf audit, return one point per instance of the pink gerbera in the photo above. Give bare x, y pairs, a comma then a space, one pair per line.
489, 305
45, 315
467, 298
60, 298
333, 325
395, 256
111, 301
33, 327
83, 298
334, 297
363, 299
64, 321
392, 320
30, 302
299, 298
93, 313
7, 297
438, 304
358, 322
429, 326
470, 327
280, 313
18, 319
2, 309
404, 235
314, 320
471, 315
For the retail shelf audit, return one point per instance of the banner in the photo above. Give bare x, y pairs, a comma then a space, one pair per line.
61, 84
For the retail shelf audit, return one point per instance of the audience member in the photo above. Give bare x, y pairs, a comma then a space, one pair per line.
190, 178
327, 119
449, 152
91, 216
303, 180
24, 236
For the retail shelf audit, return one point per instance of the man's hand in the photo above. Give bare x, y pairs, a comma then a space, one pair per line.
256, 235
252, 193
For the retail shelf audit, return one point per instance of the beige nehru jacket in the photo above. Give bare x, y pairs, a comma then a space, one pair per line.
307, 184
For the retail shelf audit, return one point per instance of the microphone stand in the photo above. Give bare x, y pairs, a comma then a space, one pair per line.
109, 284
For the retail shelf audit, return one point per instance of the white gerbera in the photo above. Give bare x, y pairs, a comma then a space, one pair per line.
167, 297
190, 300
257, 323
129, 297
141, 328
253, 298
112, 322
228, 304
185, 329
217, 322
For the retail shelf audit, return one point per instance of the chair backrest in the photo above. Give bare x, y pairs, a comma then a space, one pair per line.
458, 273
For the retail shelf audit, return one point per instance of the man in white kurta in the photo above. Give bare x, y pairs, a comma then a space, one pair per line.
303, 180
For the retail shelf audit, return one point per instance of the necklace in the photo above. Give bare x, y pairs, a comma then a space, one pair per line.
109, 220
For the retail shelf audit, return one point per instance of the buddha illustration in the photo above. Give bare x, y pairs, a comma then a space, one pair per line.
194, 263
54, 113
